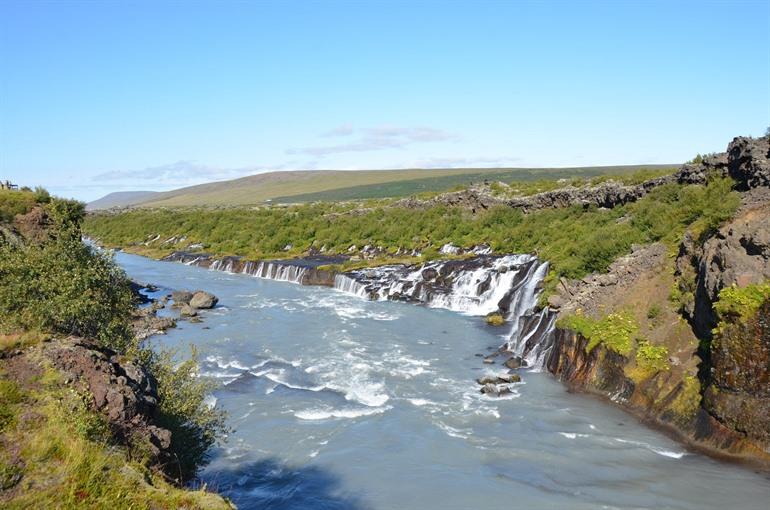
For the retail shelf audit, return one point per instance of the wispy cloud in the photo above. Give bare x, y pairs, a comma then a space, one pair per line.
343, 130
186, 173
181, 170
375, 139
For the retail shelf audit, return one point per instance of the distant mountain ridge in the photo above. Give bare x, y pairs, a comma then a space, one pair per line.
120, 199
335, 185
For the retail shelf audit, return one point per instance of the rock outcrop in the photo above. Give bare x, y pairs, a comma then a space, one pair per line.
749, 161
737, 254
716, 397
122, 391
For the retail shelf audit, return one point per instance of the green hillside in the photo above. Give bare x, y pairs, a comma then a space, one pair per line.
311, 185
447, 182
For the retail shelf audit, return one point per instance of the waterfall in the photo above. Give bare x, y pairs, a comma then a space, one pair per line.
350, 285
275, 271
510, 284
532, 330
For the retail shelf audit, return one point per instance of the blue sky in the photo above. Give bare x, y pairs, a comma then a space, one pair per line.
108, 96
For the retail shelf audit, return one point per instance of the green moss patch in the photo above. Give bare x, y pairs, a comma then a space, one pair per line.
616, 330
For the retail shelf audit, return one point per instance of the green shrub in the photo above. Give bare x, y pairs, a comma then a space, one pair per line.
653, 312
741, 303
195, 426
65, 287
652, 357
15, 202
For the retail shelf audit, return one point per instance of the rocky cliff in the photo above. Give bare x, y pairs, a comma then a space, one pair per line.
710, 387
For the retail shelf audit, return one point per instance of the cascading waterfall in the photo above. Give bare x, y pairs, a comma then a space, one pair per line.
531, 332
477, 286
350, 285
275, 271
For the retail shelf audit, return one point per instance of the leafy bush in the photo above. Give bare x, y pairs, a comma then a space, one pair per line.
653, 312
183, 409
495, 319
15, 202
65, 287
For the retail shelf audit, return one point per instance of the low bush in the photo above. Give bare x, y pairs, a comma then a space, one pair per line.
652, 357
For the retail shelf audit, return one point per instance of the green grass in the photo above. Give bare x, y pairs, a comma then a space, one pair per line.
16, 202
64, 458
331, 185
534, 180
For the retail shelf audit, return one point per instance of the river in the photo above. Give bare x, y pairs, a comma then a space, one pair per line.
341, 403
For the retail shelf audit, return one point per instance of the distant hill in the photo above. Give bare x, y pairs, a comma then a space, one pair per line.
120, 199
310, 185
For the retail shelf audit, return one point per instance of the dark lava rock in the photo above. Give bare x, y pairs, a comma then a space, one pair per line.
121, 391
429, 273
749, 161
203, 300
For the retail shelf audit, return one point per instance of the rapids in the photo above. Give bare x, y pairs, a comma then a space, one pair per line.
340, 401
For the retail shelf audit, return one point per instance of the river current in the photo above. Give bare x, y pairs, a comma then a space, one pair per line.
342, 403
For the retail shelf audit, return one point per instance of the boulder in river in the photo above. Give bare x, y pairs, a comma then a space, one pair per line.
509, 378
181, 297
188, 311
489, 389
203, 300
515, 362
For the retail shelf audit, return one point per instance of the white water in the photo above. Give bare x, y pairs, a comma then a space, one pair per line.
475, 287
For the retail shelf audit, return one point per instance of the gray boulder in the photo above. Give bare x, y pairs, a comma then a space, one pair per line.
203, 300
181, 297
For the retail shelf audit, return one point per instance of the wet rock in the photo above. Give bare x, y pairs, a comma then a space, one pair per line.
146, 323
429, 273
487, 379
489, 389
203, 300
509, 378
513, 362
188, 311
489, 360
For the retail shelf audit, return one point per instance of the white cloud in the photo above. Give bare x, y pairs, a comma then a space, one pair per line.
375, 139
